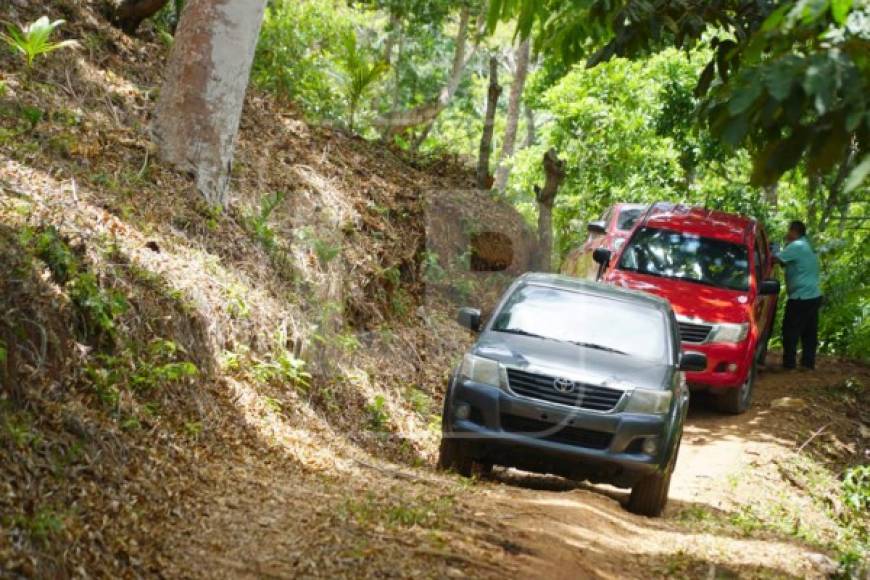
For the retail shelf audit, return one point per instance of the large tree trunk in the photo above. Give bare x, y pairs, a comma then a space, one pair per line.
484, 179
554, 170
197, 115
398, 121
129, 14
513, 116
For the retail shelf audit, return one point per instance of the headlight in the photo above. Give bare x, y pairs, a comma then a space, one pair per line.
729, 332
481, 370
649, 402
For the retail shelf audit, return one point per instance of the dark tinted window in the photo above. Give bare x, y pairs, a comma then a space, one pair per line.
627, 218
688, 257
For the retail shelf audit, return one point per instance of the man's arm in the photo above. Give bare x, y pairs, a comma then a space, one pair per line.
788, 254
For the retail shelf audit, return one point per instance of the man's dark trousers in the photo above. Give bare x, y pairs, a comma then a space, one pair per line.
801, 323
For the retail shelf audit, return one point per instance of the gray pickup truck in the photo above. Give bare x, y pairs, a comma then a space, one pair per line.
574, 378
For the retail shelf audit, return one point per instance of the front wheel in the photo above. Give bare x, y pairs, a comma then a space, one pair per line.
451, 456
737, 401
649, 496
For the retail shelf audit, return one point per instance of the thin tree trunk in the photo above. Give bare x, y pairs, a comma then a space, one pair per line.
771, 195
200, 105
392, 36
418, 141
812, 199
554, 171
484, 179
513, 116
833, 202
398, 121
531, 129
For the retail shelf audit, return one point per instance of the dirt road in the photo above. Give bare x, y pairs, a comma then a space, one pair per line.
743, 504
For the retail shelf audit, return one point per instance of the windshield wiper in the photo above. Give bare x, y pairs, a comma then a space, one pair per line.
521, 332
597, 347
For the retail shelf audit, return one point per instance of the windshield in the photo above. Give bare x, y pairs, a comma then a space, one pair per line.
592, 322
687, 257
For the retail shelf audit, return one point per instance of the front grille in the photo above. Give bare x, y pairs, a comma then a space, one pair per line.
694, 332
542, 387
556, 433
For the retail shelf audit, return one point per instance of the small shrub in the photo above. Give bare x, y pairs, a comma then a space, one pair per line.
378, 417
419, 401
856, 489
42, 526
325, 251
33, 40
285, 367
433, 273
348, 342
258, 223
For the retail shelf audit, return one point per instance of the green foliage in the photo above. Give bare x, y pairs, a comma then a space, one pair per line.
378, 415
43, 526
297, 53
97, 308
282, 367
789, 80
361, 71
34, 39
856, 489
433, 273
258, 223
141, 370
325, 251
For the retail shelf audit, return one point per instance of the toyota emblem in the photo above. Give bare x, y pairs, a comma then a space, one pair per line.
564, 386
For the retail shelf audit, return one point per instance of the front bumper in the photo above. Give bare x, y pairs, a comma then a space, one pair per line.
718, 375
562, 440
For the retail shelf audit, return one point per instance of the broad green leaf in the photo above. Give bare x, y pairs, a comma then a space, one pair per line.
779, 77
840, 10
745, 96
775, 19
735, 130
858, 174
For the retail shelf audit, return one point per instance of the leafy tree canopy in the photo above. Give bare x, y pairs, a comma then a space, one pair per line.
789, 80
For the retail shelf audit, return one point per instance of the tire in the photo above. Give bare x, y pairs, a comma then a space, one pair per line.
649, 496
451, 457
737, 401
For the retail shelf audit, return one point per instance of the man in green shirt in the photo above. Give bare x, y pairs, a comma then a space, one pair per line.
801, 322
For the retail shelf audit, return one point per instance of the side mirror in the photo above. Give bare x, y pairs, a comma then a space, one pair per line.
769, 288
597, 227
469, 318
694, 362
602, 256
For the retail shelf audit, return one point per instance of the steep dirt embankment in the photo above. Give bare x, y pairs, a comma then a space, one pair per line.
155, 352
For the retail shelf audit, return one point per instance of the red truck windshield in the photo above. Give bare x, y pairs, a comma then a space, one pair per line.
687, 257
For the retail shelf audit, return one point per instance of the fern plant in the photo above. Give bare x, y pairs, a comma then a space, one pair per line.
34, 39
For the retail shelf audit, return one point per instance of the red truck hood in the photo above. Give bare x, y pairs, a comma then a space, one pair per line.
689, 299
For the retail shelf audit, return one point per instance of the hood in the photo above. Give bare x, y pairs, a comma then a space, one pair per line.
689, 299
566, 360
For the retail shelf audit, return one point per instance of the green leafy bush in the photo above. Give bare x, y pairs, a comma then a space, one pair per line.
34, 39
297, 50
378, 417
282, 367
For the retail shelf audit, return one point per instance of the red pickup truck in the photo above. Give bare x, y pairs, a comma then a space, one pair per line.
610, 232
715, 269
